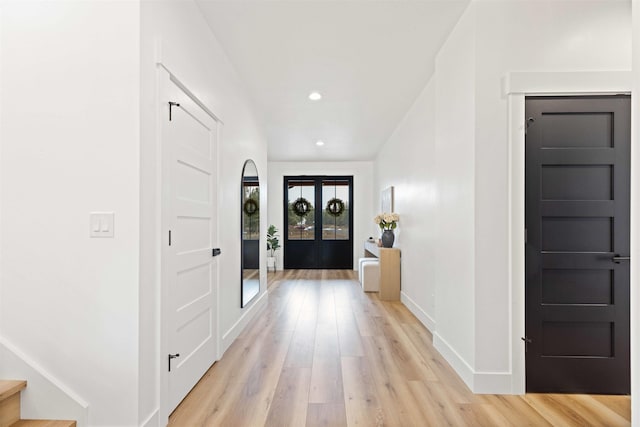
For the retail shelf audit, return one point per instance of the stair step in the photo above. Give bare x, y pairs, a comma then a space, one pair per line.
10, 387
10, 408
10, 401
43, 423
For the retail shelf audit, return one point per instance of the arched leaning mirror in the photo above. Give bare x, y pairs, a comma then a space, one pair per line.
250, 209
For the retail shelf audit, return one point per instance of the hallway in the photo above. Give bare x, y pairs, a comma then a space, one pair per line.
323, 353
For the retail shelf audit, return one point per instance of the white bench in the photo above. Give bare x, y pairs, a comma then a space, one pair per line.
369, 274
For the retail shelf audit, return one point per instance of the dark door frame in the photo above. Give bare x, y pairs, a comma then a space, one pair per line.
319, 244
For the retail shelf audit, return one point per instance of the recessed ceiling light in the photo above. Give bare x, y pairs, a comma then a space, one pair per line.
315, 96
319, 143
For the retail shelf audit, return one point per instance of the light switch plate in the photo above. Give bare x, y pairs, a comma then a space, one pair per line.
101, 224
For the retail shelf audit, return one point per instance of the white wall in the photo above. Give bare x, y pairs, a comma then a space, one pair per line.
363, 209
555, 36
78, 132
470, 171
408, 163
69, 130
176, 33
45, 396
455, 150
577, 36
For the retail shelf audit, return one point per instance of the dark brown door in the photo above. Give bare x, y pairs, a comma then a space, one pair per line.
577, 266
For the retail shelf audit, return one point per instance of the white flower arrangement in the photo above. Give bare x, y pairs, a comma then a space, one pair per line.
387, 221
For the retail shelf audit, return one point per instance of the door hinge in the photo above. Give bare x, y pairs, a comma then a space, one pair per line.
169, 237
527, 341
171, 105
528, 123
172, 356
526, 237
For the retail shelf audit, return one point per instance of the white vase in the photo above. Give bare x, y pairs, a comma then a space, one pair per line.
271, 262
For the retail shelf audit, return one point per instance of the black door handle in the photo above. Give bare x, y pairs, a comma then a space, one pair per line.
215, 252
617, 258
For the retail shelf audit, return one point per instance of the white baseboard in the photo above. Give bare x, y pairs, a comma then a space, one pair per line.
45, 395
428, 321
230, 336
478, 382
460, 365
152, 420
492, 383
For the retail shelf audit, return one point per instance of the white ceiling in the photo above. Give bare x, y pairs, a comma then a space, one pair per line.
369, 59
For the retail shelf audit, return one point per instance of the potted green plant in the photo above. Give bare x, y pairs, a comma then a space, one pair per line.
273, 244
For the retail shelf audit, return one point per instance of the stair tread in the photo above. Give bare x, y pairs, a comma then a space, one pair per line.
44, 423
10, 387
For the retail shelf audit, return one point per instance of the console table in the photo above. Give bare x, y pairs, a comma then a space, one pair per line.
389, 259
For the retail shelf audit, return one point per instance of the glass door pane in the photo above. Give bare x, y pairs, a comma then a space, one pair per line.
301, 215
336, 211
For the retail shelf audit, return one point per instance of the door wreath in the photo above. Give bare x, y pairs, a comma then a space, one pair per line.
335, 207
250, 207
301, 207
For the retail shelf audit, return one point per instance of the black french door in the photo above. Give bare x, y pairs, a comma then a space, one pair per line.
318, 222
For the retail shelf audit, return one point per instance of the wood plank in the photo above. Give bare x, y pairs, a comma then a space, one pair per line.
10, 410
301, 350
437, 408
483, 415
326, 381
10, 401
558, 414
10, 387
398, 405
517, 410
456, 388
411, 364
621, 405
357, 380
360, 399
591, 409
260, 386
326, 415
325, 353
291, 399
44, 423
349, 338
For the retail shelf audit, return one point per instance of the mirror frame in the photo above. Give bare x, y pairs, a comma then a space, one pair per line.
247, 164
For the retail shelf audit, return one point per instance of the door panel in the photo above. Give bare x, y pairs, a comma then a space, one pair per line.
323, 238
335, 220
189, 270
577, 219
301, 223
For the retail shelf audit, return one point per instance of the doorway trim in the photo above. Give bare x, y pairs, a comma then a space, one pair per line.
516, 86
163, 76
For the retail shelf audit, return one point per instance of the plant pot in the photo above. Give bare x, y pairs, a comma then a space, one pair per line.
271, 262
387, 238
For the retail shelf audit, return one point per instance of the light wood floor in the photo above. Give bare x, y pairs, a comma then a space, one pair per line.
324, 353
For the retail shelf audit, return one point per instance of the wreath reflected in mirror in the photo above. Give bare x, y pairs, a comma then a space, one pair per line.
301, 207
335, 207
250, 207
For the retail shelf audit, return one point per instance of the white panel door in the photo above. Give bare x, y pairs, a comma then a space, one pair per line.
189, 268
